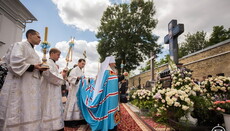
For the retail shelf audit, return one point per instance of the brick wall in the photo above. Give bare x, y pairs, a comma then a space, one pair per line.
209, 61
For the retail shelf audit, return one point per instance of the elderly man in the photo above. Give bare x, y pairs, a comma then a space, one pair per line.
99, 103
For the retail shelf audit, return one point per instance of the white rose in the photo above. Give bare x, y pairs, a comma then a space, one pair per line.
174, 99
177, 104
178, 83
182, 97
167, 98
170, 102
176, 95
205, 90
163, 101
193, 93
185, 107
161, 91
187, 90
223, 89
168, 89
187, 100
191, 104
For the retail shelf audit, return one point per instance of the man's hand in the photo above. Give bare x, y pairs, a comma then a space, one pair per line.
125, 73
39, 67
64, 73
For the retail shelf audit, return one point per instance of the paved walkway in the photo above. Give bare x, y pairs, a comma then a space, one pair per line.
130, 121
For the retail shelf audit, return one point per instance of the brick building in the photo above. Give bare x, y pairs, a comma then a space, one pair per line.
209, 61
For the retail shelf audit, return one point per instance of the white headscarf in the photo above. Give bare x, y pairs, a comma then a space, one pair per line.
104, 66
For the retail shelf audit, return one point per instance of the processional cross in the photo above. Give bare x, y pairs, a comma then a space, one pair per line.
84, 54
69, 55
174, 30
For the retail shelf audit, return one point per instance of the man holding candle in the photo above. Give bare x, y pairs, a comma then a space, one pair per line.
52, 107
20, 100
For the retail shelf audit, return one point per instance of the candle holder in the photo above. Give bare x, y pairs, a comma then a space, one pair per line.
45, 48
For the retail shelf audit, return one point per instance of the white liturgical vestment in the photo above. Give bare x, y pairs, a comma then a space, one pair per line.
52, 108
72, 111
20, 100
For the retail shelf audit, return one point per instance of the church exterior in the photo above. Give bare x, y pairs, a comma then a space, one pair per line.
13, 18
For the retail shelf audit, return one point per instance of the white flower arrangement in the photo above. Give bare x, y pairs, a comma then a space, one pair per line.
176, 98
143, 99
142, 94
216, 88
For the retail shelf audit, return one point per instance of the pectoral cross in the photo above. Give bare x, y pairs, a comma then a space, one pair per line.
174, 30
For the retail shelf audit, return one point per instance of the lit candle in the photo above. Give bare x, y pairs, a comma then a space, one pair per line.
46, 34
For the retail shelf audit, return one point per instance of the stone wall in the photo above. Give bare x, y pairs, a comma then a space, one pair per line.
209, 61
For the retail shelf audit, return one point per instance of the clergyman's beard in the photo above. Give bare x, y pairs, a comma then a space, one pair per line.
114, 69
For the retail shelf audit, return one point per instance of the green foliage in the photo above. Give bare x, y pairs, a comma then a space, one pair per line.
126, 32
162, 61
146, 68
142, 104
193, 43
156, 63
203, 112
197, 41
219, 34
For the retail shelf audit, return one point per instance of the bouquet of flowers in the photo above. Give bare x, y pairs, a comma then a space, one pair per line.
142, 98
215, 91
222, 106
176, 100
217, 88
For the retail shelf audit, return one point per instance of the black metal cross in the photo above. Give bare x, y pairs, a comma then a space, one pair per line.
174, 30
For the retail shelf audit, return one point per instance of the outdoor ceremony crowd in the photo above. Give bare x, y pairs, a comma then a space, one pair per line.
37, 96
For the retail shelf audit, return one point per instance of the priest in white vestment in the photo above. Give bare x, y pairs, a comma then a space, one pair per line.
72, 111
20, 99
52, 108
